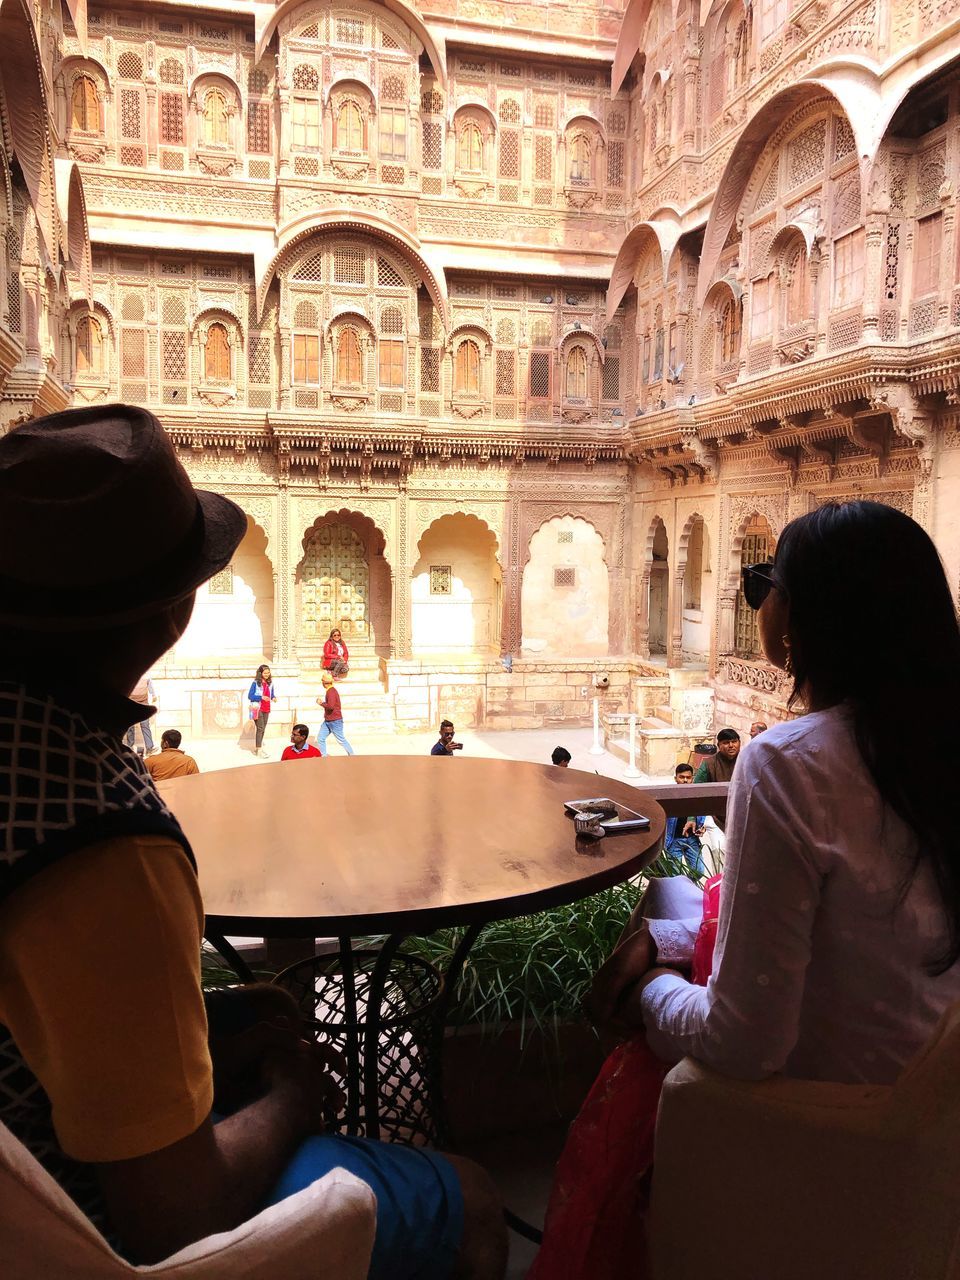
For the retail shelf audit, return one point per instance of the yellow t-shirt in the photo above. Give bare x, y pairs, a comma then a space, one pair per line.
100, 988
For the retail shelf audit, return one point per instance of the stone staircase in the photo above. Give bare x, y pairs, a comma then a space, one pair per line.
367, 706
674, 710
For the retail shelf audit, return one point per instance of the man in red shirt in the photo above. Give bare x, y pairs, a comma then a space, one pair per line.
332, 717
300, 748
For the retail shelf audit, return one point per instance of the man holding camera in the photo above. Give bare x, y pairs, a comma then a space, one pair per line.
446, 745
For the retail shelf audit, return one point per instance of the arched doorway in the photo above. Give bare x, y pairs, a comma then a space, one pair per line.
456, 591
659, 591
695, 629
233, 614
343, 581
565, 594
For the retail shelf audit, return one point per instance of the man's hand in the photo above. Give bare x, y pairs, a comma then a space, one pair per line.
689, 827
304, 1076
632, 959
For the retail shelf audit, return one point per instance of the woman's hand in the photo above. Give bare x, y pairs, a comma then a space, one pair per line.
632, 959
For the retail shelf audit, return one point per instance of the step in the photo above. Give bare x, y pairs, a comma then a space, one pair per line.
664, 712
657, 724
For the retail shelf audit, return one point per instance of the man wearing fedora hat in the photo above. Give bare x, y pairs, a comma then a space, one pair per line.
105, 1071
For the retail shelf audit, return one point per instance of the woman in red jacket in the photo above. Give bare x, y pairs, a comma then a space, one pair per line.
336, 655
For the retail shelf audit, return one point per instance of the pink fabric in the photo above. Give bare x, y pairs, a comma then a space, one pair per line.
595, 1226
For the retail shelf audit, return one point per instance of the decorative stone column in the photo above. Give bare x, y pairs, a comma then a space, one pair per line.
873, 267
643, 613
725, 625
675, 605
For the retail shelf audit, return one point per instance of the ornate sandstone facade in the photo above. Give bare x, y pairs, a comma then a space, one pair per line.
514, 329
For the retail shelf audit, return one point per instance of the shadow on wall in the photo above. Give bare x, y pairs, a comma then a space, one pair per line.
233, 615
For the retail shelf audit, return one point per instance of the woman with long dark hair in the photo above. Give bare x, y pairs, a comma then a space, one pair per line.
260, 696
839, 918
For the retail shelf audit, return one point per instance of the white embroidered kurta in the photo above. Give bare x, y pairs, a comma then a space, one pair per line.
819, 964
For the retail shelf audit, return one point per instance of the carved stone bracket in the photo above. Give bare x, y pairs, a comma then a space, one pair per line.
908, 418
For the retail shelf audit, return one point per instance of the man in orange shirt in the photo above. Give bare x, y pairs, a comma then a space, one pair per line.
119, 1108
171, 762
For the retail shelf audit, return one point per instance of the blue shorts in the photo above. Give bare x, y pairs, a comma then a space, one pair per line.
419, 1203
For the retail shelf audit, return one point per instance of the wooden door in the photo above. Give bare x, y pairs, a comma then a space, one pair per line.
335, 585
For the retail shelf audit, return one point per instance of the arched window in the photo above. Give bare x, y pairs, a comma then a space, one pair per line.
580, 160
576, 374
216, 123
466, 369
349, 359
796, 284
349, 128
216, 358
728, 326
90, 351
85, 105
470, 148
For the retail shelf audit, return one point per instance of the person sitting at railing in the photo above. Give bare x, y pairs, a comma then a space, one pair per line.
839, 920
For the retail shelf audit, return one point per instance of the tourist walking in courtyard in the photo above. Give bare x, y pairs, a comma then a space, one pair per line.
300, 748
332, 717
336, 655
145, 696
757, 728
260, 696
561, 757
445, 745
171, 762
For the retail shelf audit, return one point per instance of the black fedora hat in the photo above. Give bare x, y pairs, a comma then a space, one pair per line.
99, 522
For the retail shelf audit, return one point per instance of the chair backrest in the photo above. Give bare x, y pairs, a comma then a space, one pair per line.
325, 1231
804, 1179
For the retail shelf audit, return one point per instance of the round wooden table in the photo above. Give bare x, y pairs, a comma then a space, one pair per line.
347, 847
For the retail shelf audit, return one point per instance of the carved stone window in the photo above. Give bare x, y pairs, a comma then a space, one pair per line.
576, 374
305, 124
306, 358
216, 355
580, 160
539, 375
926, 255
466, 369
564, 576
393, 133
441, 579
795, 304
85, 106
216, 119
470, 148
391, 362
221, 584
729, 323
350, 130
258, 128
348, 369
848, 269
761, 305
90, 357
171, 119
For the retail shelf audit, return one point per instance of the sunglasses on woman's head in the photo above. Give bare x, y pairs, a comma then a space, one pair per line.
757, 582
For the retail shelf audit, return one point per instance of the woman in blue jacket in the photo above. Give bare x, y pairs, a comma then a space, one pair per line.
260, 697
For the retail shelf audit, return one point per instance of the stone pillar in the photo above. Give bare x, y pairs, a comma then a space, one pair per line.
873, 273
675, 645
400, 617
284, 590
152, 130
643, 613
948, 253
727, 613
